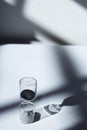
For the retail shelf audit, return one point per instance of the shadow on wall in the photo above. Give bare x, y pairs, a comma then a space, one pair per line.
82, 3
14, 28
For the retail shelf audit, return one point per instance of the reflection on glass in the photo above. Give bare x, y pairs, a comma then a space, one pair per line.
26, 111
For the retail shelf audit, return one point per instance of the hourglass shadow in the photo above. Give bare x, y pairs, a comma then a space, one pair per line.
37, 116
75, 84
76, 99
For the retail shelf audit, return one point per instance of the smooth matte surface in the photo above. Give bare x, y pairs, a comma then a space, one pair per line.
61, 73
66, 19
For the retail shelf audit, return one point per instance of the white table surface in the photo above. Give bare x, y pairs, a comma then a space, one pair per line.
42, 63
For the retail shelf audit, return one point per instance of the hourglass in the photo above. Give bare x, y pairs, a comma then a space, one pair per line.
28, 90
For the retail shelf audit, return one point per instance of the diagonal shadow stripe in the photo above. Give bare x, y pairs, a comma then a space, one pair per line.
82, 3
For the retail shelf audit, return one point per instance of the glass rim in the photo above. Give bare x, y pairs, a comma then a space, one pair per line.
35, 81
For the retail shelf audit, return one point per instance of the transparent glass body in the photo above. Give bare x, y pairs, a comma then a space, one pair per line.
26, 112
28, 88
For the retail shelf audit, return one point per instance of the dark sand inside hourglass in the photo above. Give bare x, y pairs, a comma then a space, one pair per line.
27, 94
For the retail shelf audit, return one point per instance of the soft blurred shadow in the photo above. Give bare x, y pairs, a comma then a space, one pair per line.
8, 107
82, 3
73, 85
14, 28
76, 99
